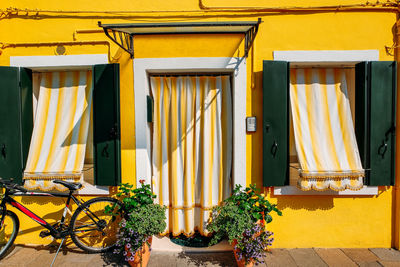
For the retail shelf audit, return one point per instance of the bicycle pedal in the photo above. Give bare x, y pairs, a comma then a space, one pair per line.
44, 233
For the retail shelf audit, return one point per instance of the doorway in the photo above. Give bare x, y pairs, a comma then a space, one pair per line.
191, 146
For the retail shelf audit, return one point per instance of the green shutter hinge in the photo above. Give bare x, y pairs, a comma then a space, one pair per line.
150, 108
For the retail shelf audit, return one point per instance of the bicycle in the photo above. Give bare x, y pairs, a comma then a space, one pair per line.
90, 227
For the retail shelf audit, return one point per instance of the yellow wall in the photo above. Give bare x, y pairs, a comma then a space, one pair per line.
307, 221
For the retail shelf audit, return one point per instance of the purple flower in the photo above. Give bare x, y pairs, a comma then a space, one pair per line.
128, 245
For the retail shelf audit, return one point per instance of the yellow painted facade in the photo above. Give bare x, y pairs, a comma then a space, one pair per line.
307, 221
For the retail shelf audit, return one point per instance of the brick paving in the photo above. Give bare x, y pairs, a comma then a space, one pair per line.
42, 256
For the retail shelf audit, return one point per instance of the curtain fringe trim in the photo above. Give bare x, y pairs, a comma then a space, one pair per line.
188, 207
35, 184
332, 175
190, 234
330, 184
51, 176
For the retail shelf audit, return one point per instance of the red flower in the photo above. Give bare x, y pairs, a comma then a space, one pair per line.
142, 181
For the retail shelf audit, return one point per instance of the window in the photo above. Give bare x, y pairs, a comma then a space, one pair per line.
322, 130
374, 115
17, 95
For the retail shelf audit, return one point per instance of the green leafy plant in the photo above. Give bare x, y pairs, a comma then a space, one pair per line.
143, 218
241, 219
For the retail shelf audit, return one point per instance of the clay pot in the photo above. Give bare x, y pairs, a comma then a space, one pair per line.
142, 256
240, 263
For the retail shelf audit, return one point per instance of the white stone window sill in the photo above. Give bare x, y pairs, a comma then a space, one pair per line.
293, 190
89, 189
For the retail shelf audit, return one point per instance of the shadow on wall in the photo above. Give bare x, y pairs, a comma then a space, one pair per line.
50, 209
256, 137
305, 202
317, 202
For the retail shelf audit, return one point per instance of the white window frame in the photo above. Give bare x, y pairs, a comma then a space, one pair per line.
40, 63
142, 66
329, 58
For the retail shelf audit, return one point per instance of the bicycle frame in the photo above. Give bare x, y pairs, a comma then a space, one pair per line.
53, 231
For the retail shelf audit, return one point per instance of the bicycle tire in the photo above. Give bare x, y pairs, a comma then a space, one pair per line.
7, 233
85, 230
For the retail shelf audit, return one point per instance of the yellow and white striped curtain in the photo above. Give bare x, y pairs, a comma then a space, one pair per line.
58, 143
323, 129
192, 148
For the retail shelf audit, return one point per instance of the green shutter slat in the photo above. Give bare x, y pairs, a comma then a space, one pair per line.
16, 121
150, 108
106, 124
375, 119
362, 116
26, 112
383, 95
275, 123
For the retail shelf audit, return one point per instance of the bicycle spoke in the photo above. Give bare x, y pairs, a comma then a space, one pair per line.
93, 229
8, 232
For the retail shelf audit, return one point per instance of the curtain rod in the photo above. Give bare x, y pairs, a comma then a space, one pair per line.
321, 67
190, 74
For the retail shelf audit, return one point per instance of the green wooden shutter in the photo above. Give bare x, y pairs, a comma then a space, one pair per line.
16, 120
150, 108
375, 119
106, 124
275, 123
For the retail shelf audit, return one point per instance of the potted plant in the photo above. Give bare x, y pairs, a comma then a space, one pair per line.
143, 219
242, 219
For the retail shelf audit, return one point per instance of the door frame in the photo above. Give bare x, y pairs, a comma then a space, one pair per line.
142, 66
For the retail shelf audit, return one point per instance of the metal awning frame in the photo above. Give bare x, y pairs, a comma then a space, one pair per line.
124, 39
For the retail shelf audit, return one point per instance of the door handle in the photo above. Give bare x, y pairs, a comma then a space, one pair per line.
274, 148
104, 152
114, 132
382, 149
4, 150
384, 146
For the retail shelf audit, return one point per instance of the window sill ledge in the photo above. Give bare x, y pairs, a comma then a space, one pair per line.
89, 189
293, 190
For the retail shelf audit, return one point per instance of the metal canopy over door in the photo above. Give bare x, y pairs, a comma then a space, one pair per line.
122, 34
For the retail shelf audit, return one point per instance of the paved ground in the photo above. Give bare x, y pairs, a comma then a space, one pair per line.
43, 256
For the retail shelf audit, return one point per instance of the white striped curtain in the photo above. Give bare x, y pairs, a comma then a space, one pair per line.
324, 132
192, 148
58, 143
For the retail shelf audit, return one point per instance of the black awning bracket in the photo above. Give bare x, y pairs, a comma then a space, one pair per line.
124, 40
250, 35
123, 34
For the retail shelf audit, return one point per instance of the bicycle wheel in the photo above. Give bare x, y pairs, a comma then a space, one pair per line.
8, 232
93, 230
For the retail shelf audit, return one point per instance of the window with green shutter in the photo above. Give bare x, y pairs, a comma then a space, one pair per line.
275, 123
106, 124
16, 120
375, 95
375, 119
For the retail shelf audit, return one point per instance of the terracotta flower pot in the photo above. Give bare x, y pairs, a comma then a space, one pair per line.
240, 263
142, 256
